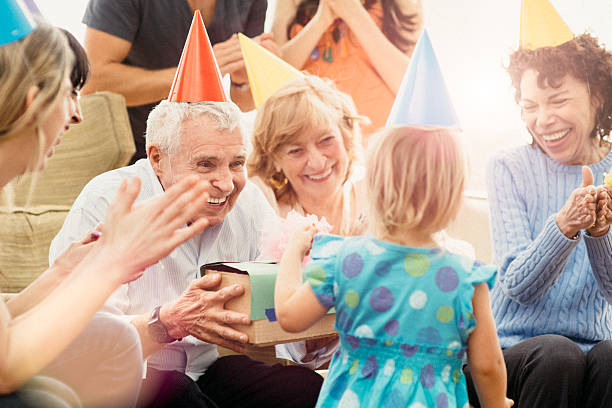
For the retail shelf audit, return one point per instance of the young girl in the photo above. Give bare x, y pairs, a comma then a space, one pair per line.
406, 309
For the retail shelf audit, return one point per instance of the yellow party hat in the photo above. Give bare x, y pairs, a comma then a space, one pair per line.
266, 72
542, 26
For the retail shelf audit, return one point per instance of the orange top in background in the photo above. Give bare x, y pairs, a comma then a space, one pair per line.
349, 66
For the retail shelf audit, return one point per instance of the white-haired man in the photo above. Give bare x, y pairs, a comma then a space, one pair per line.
178, 316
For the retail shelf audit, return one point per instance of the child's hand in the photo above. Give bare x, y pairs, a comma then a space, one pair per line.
509, 402
301, 240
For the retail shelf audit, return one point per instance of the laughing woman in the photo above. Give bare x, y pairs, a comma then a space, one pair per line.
551, 230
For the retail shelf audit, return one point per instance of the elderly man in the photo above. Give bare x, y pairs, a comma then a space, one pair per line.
178, 316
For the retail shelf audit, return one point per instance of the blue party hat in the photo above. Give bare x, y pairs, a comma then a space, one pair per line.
423, 98
15, 21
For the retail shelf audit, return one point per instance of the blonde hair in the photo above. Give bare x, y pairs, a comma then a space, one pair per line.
415, 176
42, 59
303, 104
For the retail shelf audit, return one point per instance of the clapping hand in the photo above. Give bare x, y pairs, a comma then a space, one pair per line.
579, 211
134, 237
603, 211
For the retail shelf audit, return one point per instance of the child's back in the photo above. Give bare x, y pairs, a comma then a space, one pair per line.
404, 315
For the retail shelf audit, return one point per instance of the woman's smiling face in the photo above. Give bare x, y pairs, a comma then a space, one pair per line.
560, 119
316, 163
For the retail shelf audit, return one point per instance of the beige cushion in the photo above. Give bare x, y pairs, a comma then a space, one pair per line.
24, 244
472, 225
102, 142
94, 146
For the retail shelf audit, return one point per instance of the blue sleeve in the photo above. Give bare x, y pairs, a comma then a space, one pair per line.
320, 271
528, 267
120, 18
476, 274
599, 250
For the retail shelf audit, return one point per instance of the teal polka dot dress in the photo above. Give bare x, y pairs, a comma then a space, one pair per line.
404, 316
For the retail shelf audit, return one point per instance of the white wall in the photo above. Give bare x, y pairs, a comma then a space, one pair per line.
472, 39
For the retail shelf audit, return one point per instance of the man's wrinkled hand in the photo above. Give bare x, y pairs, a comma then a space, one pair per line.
200, 312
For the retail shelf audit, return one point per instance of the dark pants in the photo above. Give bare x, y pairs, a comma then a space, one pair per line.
233, 381
552, 371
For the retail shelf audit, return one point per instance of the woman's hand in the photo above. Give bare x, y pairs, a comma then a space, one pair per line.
325, 14
579, 211
74, 254
604, 212
135, 237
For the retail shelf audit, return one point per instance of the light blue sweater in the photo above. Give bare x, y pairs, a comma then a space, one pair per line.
548, 283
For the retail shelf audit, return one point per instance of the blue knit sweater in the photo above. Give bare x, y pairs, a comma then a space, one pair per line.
548, 283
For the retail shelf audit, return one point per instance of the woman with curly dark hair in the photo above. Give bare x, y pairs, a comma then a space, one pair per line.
551, 230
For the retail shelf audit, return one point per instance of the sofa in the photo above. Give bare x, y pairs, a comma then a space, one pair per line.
102, 141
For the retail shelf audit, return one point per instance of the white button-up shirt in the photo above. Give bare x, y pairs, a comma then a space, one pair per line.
237, 238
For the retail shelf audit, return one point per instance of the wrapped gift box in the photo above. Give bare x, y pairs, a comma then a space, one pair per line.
258, 279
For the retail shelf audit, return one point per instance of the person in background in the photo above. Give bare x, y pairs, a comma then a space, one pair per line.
406, 309
551, 229
135, 47
364, 47
37, 106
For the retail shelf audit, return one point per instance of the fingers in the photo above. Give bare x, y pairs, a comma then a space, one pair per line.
587, 176
207, 282
127, 194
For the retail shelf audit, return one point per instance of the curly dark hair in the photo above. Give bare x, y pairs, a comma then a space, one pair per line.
583, 58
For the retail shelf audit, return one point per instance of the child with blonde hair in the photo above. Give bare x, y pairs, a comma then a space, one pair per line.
406, 309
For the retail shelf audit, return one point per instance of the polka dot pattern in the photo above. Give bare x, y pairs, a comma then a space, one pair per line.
409, 350
406, 377
445, 314
316, 276
447, 279
396, 311
354, 367
442, 400
364, 331
370, 368
392, 327
416, 264
389, 367
382, 268
418, 299
351, 299
428, 376
381, 299
352, 265
428, 335
349, 400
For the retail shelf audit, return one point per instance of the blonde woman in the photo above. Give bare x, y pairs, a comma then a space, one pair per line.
38, 324
306, 144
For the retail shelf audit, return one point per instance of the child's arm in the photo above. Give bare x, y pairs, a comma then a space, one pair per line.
296, 305
485, 356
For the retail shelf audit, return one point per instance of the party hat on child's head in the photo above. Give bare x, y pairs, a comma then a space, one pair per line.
423, 98
15, 21
542, 26
197, 77
267, 72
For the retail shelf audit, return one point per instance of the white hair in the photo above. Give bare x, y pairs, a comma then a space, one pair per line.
165, 121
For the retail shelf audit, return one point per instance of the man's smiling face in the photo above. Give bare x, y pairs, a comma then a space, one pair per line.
217, 156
